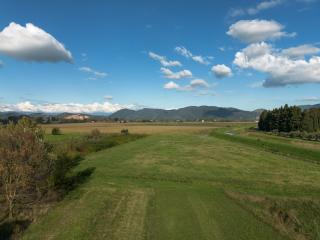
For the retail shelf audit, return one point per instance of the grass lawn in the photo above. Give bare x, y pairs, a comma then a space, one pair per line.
190, 185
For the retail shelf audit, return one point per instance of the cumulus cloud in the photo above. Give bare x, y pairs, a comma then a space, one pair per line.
31, 43
199, 83
28, 106
176, 75
281, 69
94, 72
164, 61
251, 31
236, 12
194, 85
301, 51
221, 71
171, 85
188, 54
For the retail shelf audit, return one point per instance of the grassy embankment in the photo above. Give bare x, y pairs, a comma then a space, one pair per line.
193, 185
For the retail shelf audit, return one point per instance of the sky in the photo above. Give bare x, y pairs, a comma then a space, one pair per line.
102, 56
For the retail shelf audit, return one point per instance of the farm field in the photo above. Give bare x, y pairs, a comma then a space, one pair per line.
139, 128
190, 181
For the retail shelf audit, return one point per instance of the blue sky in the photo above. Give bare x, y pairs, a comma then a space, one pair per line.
162, 54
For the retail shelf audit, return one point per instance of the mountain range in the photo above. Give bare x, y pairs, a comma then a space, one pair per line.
304, 107
191, 113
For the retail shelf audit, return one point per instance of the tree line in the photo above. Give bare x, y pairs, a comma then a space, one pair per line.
290, 119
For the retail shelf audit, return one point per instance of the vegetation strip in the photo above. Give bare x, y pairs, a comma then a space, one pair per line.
274, 147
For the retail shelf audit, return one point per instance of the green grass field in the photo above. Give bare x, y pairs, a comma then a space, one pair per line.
192, 185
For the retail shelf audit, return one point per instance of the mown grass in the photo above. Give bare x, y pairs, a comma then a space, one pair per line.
277, 146
173, 186
296, 218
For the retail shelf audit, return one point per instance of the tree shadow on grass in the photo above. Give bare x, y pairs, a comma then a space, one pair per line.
12, 228
77, 179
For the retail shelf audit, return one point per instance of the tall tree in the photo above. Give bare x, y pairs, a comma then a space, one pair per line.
25, 163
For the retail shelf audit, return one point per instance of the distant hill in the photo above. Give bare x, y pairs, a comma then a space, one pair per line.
304, 107
192, 113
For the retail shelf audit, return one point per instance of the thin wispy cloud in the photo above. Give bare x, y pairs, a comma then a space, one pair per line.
84, 57
309, 99
108, 98
164, 61
258, 84
253, 10
203, 93
97, 74
189, 55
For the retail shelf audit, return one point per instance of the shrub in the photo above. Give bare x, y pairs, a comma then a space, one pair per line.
125, 132
55, 131
66, 160
95, 133
25, 162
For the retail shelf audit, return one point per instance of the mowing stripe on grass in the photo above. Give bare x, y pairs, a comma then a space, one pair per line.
271, 146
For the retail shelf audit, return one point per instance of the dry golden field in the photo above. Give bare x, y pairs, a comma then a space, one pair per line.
139, 128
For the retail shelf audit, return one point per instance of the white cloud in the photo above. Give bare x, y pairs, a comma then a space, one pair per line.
307, 1
171, 85
281, 69
94, 72
310, 99
258, 84
205, 93
194, 85
201, 60
188, 54
199, 83
176, 75
301, 51
108, 98
28, 106
236, 12
183, 51
84, 57
251, 31
164, 61
31, 43
221, 71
